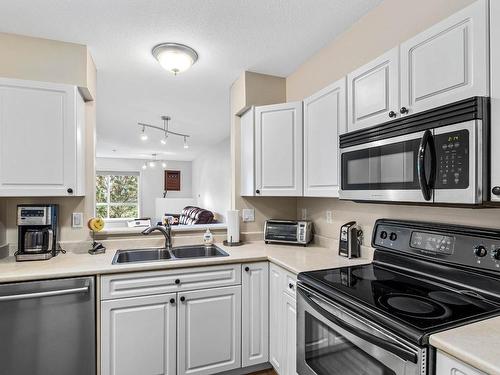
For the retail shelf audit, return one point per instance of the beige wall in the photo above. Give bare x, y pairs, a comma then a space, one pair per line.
383, 28
255, 89
52, 61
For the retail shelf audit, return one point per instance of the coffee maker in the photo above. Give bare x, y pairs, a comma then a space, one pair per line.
37, 231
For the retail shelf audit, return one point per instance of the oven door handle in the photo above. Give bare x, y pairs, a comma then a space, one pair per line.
426, 186
384, 344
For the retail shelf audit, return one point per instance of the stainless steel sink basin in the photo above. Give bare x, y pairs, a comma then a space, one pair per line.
176, 253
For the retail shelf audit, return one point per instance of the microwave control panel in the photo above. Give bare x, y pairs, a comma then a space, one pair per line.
452, 154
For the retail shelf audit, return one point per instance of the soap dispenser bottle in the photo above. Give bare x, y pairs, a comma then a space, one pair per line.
208, 238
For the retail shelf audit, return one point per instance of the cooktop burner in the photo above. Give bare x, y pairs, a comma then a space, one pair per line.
414, 306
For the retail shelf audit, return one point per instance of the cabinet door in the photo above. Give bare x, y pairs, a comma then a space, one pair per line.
447, 62
289, 335
373, 92
495, 97
209, 331
278, 147
138, 336
38, 155
324, 119
276, 277
447, 365
255, 313
247, 153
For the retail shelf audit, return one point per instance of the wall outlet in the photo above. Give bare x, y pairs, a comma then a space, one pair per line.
248, 214
304, 214
77, 220
329, 217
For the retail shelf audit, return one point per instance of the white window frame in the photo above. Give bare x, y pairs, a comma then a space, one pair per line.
108, 203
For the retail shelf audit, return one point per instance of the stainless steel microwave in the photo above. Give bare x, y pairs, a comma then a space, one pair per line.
437, 156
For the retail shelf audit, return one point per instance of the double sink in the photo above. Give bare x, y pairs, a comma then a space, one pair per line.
175, 253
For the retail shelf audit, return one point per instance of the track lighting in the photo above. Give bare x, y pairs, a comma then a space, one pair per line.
144, 136
186, 143
144, 166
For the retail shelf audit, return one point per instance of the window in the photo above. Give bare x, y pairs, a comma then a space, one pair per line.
117, 195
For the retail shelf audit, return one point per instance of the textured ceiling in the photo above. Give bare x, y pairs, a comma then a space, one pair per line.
266, 36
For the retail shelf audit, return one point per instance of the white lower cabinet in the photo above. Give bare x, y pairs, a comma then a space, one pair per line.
282, 320
209, 331
255, 313
447, 365
199, 331
138, 335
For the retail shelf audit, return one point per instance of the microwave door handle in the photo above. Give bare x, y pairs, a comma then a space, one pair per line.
426, 186
375, 340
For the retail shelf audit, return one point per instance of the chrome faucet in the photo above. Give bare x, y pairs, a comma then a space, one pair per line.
166, 231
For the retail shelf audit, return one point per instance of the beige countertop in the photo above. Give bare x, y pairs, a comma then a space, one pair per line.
77, 263
476, 344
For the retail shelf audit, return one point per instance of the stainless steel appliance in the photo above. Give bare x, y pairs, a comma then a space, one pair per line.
288, 231
48, 327
350, 239
377, 318
437, 156
37, 231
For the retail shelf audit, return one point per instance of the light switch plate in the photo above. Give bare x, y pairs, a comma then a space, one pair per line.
248, 214
329, 217
77, 220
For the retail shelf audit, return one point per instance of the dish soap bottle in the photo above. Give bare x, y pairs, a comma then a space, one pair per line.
208, 238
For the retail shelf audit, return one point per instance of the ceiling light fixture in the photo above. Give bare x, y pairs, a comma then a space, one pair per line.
175, 57
152, 163
144, 136
165, 130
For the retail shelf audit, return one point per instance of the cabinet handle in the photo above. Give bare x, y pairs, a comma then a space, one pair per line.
290, 286
70, 191
172, 301
392, 114
183, 299
247, 269
404, 110
496, 190
177, 281
257, 191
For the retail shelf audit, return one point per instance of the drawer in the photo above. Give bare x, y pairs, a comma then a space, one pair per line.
290, 285
171, 281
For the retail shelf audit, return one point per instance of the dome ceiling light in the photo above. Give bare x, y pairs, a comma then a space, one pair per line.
175, 57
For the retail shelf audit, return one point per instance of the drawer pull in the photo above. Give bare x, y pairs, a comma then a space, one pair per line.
183, 299
177, 281
172, 301
247, 269
290, 286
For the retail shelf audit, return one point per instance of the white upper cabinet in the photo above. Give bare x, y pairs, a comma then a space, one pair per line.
255, 313
247, 153
324, 120
495, 97
41, 139
278, 149
373, 92
446, 62
209, 331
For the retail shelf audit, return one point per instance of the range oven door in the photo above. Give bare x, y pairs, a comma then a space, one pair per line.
333, 341
442, 165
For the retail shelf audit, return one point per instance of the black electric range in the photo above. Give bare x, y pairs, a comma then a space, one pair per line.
425, 278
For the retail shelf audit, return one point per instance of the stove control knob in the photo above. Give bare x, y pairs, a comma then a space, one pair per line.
496, 254
393, 236
480, 251
383, 234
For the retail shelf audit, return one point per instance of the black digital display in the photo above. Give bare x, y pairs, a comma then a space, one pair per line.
435, 243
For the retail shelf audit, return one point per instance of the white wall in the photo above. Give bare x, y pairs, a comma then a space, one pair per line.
212, 179
151, 180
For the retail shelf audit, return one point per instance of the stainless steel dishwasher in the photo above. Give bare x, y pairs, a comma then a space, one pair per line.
48, 327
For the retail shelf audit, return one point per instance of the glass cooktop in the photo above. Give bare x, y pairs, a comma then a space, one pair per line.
423, 304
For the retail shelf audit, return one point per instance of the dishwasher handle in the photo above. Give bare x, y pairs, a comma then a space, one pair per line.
51, 293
